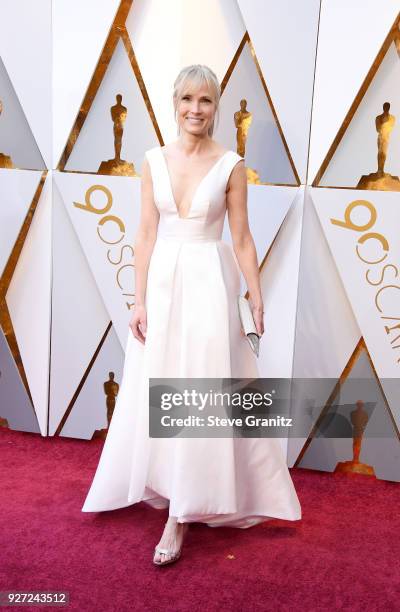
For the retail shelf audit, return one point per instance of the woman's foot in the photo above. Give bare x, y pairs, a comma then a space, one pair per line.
171, 541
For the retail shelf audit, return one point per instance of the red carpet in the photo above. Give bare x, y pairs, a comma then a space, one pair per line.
343, 555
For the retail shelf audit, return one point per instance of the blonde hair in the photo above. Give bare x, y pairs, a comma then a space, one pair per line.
197, 75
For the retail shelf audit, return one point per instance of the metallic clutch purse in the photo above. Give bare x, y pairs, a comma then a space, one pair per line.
247, 321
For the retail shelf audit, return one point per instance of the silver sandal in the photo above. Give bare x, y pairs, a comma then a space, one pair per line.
165, 551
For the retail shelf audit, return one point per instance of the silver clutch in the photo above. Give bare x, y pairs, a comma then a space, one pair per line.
247, 321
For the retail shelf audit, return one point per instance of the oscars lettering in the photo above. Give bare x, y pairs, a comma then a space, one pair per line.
377, 275
90, 208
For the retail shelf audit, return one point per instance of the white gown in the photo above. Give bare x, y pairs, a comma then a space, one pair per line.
193, 330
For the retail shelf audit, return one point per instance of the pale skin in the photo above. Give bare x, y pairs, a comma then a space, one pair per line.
189, 158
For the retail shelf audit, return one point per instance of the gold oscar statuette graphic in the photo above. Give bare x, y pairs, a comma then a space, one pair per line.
243, 119
118, 166
5, 160
381, 180
359, 420
111, 388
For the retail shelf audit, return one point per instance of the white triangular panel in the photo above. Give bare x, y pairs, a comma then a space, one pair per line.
284, 36
95, 142
17, 141
326, 330
357, 152
381, 453
79, 318
15, 404
29, 303
165, 39
222, 21
89, 411
391, 389
25, 48
372, 288
279, 278
107, 237
17, 190
267, 208
80, 30
350, 36
265, 150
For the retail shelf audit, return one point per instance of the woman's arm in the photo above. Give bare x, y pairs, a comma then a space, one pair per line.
243, 243
144, 244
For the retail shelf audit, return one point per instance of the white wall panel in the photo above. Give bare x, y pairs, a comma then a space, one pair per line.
356, 154
17, 189
166, 36
284, 35
105, 214
89, 412
25, 48
74, 281
326, 329
79, 318
267, 207
29, 302
17, 142
15, 404
324, 452
95, 142
279, 278
221, 23
279, 281
350, 36
367, 261
79, 32
265, 151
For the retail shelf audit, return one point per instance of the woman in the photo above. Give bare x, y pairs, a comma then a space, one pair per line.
186, 324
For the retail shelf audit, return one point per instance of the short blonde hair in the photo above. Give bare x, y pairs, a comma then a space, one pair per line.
197, 75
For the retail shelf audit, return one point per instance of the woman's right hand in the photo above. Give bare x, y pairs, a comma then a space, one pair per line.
138, 323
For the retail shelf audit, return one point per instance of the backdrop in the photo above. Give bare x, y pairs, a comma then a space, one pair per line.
310, 96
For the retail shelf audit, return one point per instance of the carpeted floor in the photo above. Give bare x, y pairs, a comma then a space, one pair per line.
343, 555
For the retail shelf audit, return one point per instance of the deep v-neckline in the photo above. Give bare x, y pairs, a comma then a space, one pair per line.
199, 184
